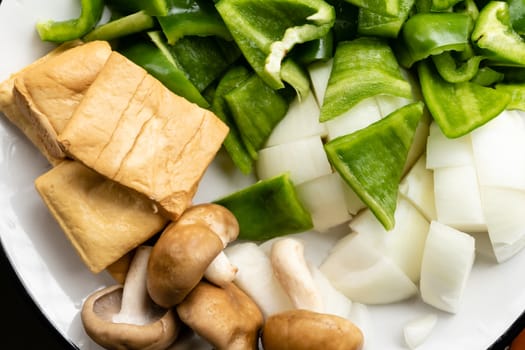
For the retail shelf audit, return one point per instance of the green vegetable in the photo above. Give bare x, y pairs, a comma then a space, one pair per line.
459, 108
517, 93
487, 76
130, 24
151, 7
204, 59
60, 31
266, 30
426, 34
493, 34
374, 24
193, 17
453, 71
443, 5
382, 7
154, 56
517, 15
256, 109
233, 143
371, 160
362, 68
346, 17
321, 49
267, 209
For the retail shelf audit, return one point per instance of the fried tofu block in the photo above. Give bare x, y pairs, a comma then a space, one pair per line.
47, 94
132, 129
102, 219
9, 108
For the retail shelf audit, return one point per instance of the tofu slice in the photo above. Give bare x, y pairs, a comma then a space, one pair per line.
47, 94
102, 219
10, 110
132, 129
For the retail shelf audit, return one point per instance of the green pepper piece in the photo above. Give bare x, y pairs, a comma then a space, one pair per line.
493, 34
363, 67
426, 34
155, 57
127, 25
461, 107
233, 143
382, 7
60, 31
193, 18
453, 71
151, 7
266, 30
256, 109
371, 160
517, 93
321, 49
517, 15
443, 5
487, 76
295, 75
267, 209
204, 59
375, 24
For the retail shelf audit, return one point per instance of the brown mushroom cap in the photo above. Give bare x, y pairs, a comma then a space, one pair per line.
97, 313
218, 218
307, 330
178, 261
224, 316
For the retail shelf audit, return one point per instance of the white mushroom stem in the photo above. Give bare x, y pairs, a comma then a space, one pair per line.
220, 271
136, 303
292, 272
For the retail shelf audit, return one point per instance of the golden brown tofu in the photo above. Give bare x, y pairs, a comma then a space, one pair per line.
102, 219
9, 108
47, 94
132, 129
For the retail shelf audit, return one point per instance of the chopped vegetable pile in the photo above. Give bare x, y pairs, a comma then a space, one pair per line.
397, 117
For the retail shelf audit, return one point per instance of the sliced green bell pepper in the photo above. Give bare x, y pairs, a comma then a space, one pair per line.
443, 5
267, 209
374, 24
61, 31
455, 71
487, 76
461, 107
346, 19
151, 7
321, 49
517, 15
493, 34
266, 30
256, 109
517, 93
154, 56
371, 160
233, 143
426, 34
204, 59
123, 26
363, 67
193, 17
382, 7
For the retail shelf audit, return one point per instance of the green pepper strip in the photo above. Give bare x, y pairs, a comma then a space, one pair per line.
362, 68
131, 24
375, 24
155, 58
61, 31
517, 15
382, 7
151, 7
451, 71
371, 160
487, 76
517, 93
266, 30
493, 33
193, 18
267, 209
461, 107
426, 34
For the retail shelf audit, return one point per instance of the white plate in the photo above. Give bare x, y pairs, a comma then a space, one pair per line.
58, 282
